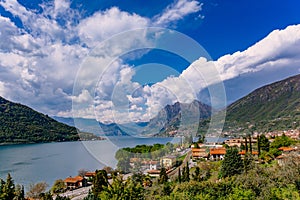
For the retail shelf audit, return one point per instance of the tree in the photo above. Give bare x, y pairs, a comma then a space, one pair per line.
19, 193
264, 143
179, 175
35, 190
196, 175
59, 186
163, 177
82, 172
124, 165
99, 182
7, 188
186, 173
282, 141
232, 163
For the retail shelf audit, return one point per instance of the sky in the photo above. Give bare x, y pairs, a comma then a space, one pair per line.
70, 58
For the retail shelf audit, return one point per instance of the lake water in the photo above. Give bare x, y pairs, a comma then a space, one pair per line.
32, 163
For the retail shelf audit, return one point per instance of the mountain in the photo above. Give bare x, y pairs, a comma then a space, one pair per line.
273, 107
21, 124
93, 126
173, 116
168, 119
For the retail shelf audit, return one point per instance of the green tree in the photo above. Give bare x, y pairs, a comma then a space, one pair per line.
282, 141
197, 175
59, 186
99, 182
124, 165
264, 143
179, 175
232, 163
186, 173
7, 188
163, 177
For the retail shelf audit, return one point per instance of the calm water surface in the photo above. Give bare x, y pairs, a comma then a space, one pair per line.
48, 162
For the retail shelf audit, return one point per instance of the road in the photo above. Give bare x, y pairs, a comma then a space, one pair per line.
175, 171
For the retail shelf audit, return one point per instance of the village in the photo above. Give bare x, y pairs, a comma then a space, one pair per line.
262, 148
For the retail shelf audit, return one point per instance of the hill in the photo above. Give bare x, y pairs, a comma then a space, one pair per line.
21, 124
272, 107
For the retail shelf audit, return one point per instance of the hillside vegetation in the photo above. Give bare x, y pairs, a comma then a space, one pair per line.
21, 124
272, 107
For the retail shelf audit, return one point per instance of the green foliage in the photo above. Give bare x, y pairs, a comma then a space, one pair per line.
21, 124
9, 191
59, 186
282, 141
232, 163
163, 177
186, 173
264, 142
99, 182
271, 108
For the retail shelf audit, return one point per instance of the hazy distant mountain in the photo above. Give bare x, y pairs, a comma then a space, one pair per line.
169, 118
272, 107
93, 126
21, 124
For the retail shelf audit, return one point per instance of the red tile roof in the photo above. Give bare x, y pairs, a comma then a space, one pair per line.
243, 152
217, 151
89, 174
73, 179
286, 149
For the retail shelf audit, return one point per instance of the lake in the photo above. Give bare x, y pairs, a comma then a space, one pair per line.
32, 163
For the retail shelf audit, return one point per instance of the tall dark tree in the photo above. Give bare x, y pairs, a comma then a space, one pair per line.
264, 143
179, 175
99, 182
186, 173
232, 163
163, 177
250, 144
246, 144
197, 175
258, 144
9, 188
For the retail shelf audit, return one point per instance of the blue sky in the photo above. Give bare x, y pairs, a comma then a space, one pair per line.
44, 44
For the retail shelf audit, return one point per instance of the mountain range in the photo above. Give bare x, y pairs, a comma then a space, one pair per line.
272, 107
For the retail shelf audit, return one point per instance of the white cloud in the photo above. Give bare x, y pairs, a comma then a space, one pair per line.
103, 25
178, 10
39, 61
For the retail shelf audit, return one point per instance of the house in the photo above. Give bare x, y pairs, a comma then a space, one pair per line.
200, 153
234, 142
89, 176
217, 153
75, 182
168, 161
134, 161
150, 165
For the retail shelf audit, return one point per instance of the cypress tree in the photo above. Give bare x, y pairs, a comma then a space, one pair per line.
179, 175
246, 144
